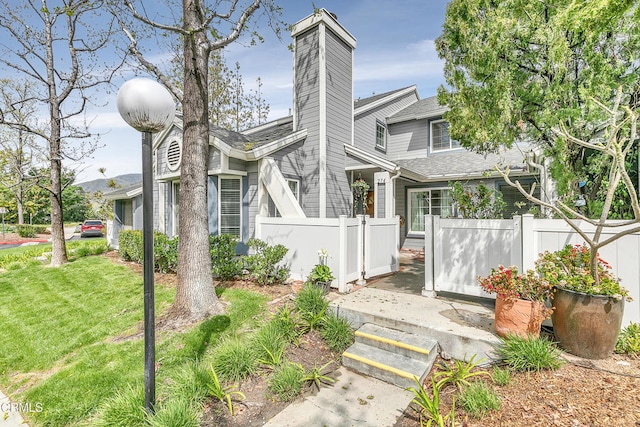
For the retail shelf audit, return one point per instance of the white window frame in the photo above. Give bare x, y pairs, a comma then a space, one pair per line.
381, 125
428, 190
220, 179
440, 150
270, 204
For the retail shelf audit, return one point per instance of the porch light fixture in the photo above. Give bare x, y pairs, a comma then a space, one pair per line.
149, 108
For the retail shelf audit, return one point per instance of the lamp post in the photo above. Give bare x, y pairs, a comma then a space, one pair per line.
147, 107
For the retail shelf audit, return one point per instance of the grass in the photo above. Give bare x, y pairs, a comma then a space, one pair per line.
529, 354
286, 381
57, 345
337, 332
477, 399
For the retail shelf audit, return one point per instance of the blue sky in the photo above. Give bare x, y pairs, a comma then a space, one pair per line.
394, 49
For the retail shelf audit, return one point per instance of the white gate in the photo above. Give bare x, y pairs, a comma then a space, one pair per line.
358, 247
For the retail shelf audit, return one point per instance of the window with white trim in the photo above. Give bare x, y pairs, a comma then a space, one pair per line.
427, 201
381, 136
230, 206
294, 186
440, 138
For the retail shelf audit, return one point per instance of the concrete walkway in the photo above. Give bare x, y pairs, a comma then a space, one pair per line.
353, 401
9, 415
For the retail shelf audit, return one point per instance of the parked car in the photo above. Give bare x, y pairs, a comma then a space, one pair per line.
92, 227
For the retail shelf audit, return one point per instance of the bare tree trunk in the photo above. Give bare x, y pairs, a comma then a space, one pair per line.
19, 206
195, 294
58, 243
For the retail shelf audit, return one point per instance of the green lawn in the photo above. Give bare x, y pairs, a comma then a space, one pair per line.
57, 343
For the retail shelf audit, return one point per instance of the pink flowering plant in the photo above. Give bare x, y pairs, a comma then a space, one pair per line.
569, 268
509, 285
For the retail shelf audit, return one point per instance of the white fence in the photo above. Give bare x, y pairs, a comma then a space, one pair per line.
357, 247
463, 249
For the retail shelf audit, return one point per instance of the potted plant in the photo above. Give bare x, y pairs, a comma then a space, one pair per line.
321, 276
360, 189
588, 305
520, 300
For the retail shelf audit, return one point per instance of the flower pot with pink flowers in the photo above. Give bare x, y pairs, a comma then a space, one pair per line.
520, 300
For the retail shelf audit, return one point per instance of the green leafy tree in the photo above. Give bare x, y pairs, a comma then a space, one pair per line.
517, 69
480, 202
75, 203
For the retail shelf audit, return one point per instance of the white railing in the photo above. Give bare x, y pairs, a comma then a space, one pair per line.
355, 245
459, 250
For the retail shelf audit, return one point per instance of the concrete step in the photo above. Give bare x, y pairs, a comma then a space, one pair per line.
415, 346
385, 365
461, 328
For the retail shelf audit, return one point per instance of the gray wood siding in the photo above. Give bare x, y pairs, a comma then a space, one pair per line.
408, 140
339, 124
291, 160
161, 152
237, 164
306, 86
365, 124
214, 158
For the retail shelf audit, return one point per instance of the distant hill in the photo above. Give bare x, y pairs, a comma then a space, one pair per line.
101, 184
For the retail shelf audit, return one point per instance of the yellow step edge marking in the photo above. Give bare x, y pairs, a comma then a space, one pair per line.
393, 342
399, 372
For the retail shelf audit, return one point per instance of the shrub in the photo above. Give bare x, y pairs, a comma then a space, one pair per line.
629, 339
263, 264
165, 252
529, 354
336, 332
286, 381
165, 249
234, 360
26, 230
130, 245
225, 264
478, 399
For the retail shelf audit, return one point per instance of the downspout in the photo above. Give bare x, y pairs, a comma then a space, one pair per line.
393, 178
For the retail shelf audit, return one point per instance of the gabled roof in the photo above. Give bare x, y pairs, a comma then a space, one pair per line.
128, 192
362, 105
271, 131
460, 164
422, 109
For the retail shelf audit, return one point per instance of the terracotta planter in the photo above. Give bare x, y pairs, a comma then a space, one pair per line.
518, 317
586, 325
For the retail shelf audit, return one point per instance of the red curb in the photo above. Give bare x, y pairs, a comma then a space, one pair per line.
21, 242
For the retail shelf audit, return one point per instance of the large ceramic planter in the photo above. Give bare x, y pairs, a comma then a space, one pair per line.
586, 325
518, 317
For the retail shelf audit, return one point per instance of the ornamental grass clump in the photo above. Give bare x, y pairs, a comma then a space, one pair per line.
570, 268
507, 284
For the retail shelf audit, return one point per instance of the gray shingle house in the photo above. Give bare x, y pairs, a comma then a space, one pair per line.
303, 165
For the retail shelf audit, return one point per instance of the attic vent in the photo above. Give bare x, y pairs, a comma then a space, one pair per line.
174, 155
